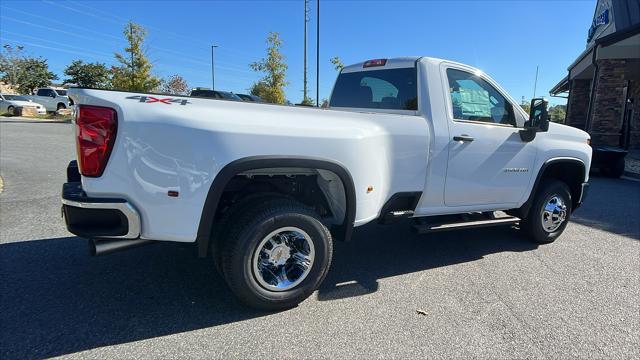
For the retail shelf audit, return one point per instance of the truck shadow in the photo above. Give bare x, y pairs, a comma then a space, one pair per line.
378, 252
611, 205
57, 300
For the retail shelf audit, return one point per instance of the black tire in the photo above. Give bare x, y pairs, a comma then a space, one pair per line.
222, 227
11, 110
61, 106
616, 170
532, 224
248, 230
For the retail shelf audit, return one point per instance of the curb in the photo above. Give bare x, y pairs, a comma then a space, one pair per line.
631, 175
29, 121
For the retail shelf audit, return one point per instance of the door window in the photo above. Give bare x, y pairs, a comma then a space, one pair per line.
472, 98
45, 92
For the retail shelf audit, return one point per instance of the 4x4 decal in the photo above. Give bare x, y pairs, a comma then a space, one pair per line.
151, 99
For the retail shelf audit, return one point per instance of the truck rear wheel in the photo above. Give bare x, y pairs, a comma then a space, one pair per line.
549, 214
276, 254
223, 226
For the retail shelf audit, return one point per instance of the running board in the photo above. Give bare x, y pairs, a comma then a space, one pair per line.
446, 226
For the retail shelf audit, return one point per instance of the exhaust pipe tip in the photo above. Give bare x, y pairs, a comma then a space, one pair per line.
102, 247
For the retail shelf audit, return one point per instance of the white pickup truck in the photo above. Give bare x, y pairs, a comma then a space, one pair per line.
266, 189
52, 98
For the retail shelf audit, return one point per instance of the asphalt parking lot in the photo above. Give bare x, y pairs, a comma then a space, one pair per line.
485, 293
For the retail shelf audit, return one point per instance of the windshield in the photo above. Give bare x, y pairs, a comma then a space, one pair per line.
229, 96
394, 89
203, 93
15, 98
61, 92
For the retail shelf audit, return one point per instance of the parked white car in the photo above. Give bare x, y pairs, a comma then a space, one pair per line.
267, 189
52, 98
9, 103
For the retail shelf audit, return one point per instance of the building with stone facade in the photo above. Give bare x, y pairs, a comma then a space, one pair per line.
603, 83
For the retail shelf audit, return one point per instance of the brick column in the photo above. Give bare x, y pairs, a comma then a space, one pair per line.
606, 120
578, 103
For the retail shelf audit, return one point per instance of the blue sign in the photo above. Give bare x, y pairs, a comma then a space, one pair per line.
601, 19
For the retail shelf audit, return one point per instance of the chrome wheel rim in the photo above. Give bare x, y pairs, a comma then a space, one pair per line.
283, 259
554, 213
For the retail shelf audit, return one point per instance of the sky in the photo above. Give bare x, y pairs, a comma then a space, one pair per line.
505, 39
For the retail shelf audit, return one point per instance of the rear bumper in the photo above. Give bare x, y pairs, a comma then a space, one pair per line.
96, 218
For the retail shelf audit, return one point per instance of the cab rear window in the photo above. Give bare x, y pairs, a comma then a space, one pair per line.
393, 89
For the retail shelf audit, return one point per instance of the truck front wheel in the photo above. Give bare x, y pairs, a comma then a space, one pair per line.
276, 254
549, 214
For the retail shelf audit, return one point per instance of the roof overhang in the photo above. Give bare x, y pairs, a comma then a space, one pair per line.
562, 86
619, 45
583, 67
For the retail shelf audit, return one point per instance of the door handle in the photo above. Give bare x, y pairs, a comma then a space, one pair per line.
463, 137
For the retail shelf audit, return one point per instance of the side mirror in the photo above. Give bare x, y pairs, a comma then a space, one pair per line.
52, 95
538, 120
539, 115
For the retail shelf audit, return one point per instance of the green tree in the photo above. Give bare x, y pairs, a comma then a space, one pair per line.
308, 101
175, 85
557, 113
31, 73
337, 63
271, 86
10, 62
93, 75
34, 74
24, 73
134, 73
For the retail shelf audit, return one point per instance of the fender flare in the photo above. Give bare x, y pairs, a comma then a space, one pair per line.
342, 232
524, 209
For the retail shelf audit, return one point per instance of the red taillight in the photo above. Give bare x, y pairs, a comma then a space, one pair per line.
374, 62
95, 134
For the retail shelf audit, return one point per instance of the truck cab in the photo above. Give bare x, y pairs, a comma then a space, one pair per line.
480, 157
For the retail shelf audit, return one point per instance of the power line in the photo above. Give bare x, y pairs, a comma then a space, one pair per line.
65, 24
94, 54
179, 55
57, 43
84, 53
123, 21
78, 11
44, 27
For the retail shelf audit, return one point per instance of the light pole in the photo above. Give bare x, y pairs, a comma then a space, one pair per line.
306, 20
213, 74
318, 54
